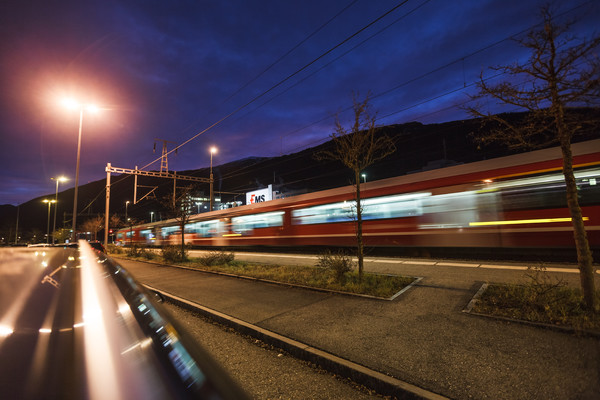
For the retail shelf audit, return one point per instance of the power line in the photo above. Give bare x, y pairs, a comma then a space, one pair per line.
290, 51
285, 79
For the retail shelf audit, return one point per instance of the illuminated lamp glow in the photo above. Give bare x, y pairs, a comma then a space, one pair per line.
524, 221
70, 103
232, 234
45, 330
92, 108
5, 330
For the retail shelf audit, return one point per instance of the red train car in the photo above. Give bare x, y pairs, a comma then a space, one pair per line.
512, 202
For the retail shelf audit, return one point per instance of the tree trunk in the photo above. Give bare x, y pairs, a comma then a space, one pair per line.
359, 237
584, 254
183, 241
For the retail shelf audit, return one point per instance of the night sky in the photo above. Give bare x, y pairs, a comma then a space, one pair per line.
258, 78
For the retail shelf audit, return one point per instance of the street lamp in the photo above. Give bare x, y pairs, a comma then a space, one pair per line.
198, 204
151, 216
59, 179
126, 205
48, 229
364, 176
74, 104
213, 150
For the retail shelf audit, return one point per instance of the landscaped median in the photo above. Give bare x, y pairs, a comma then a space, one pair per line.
541, 301
333, 273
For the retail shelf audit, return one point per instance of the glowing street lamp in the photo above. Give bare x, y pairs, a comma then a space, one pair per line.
74, 105
213, 150
364, 176
126, 205
48, 229
59, 179
151, 216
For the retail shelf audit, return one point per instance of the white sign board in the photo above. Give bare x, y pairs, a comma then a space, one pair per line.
258, 196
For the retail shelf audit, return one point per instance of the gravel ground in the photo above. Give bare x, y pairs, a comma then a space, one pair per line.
263, 371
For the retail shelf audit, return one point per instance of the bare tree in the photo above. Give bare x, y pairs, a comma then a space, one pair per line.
358, 147
61, 234
93, 225
181, 208
561, 72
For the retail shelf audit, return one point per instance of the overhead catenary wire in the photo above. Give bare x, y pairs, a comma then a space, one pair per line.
284, 80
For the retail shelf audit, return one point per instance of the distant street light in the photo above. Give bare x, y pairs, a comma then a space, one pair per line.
198, 204
48, 229
73, 104
59, 179
151, 216
212, 151
364, 176
126, 205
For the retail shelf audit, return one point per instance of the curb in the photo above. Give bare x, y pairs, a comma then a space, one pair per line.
381, 383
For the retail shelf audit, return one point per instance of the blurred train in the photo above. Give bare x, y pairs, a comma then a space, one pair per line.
499, 205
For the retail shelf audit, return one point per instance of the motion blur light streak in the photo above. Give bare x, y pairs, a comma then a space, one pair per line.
524, 221
100, 366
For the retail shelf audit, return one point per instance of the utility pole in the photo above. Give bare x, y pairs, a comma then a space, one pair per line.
164, 162
17, 228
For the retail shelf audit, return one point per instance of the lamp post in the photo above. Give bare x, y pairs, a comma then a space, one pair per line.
59, 179
126, 205
212, 151
364, 176
151, 216
48, 229
73, 104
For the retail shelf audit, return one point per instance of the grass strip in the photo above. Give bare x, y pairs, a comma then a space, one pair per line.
555, 305
376, 285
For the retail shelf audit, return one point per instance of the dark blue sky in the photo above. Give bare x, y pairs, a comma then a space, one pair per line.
171, 69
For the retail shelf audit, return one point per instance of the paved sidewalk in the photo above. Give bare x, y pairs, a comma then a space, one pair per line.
422, 338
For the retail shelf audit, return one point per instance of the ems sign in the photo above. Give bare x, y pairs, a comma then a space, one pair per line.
258, 196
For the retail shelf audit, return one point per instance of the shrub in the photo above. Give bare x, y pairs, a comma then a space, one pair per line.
216, 258
174, 254
338, 263
114, 249
134, 251
148, 254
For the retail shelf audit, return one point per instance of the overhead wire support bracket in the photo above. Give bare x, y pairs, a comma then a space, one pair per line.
138, 172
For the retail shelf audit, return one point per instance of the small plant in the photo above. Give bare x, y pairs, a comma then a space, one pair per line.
134, 251
216, 258
541, 299
114, 249
174, 253
148, 254
338, 263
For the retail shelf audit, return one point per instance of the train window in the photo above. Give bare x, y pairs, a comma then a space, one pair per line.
549, 191
168, 230
456, 210
398, 206
247, 223
203, 228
